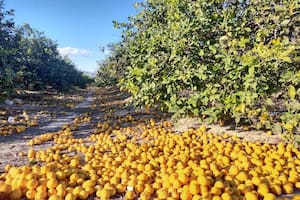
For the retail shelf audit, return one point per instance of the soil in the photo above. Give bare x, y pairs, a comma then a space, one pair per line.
248, 135
53, 110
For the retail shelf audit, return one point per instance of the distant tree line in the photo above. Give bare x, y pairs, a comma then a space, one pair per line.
30, 60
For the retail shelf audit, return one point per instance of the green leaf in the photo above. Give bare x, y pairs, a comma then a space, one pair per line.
285, 22
277, 129
286, 59
269, 102
248, 29
195, 111
251, 70
173, 99
201, 52
224, 37
213, 49
193, 102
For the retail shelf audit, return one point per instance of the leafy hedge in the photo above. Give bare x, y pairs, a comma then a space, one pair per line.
113, 67
217, 59
30, 60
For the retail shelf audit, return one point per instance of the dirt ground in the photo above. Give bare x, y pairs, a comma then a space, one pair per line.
52, 111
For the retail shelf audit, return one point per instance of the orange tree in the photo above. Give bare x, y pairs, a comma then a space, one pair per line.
6, 47
216, 59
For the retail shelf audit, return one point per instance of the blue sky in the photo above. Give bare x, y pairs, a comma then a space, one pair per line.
79, 27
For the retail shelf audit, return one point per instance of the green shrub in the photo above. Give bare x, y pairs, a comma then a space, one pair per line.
219, 60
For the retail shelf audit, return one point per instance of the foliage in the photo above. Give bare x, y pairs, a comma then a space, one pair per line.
216, 59
6, 47
113, 66
30, 60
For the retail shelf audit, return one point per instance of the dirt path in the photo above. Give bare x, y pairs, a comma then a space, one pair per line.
11, 145
58, 114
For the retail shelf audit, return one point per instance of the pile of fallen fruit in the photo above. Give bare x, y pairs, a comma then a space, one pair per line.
126, 157
150, 161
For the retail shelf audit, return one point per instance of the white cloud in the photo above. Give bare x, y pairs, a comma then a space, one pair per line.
71, 51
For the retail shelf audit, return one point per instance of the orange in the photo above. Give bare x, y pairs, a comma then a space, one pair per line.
186, 195
251, 196
194, 187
